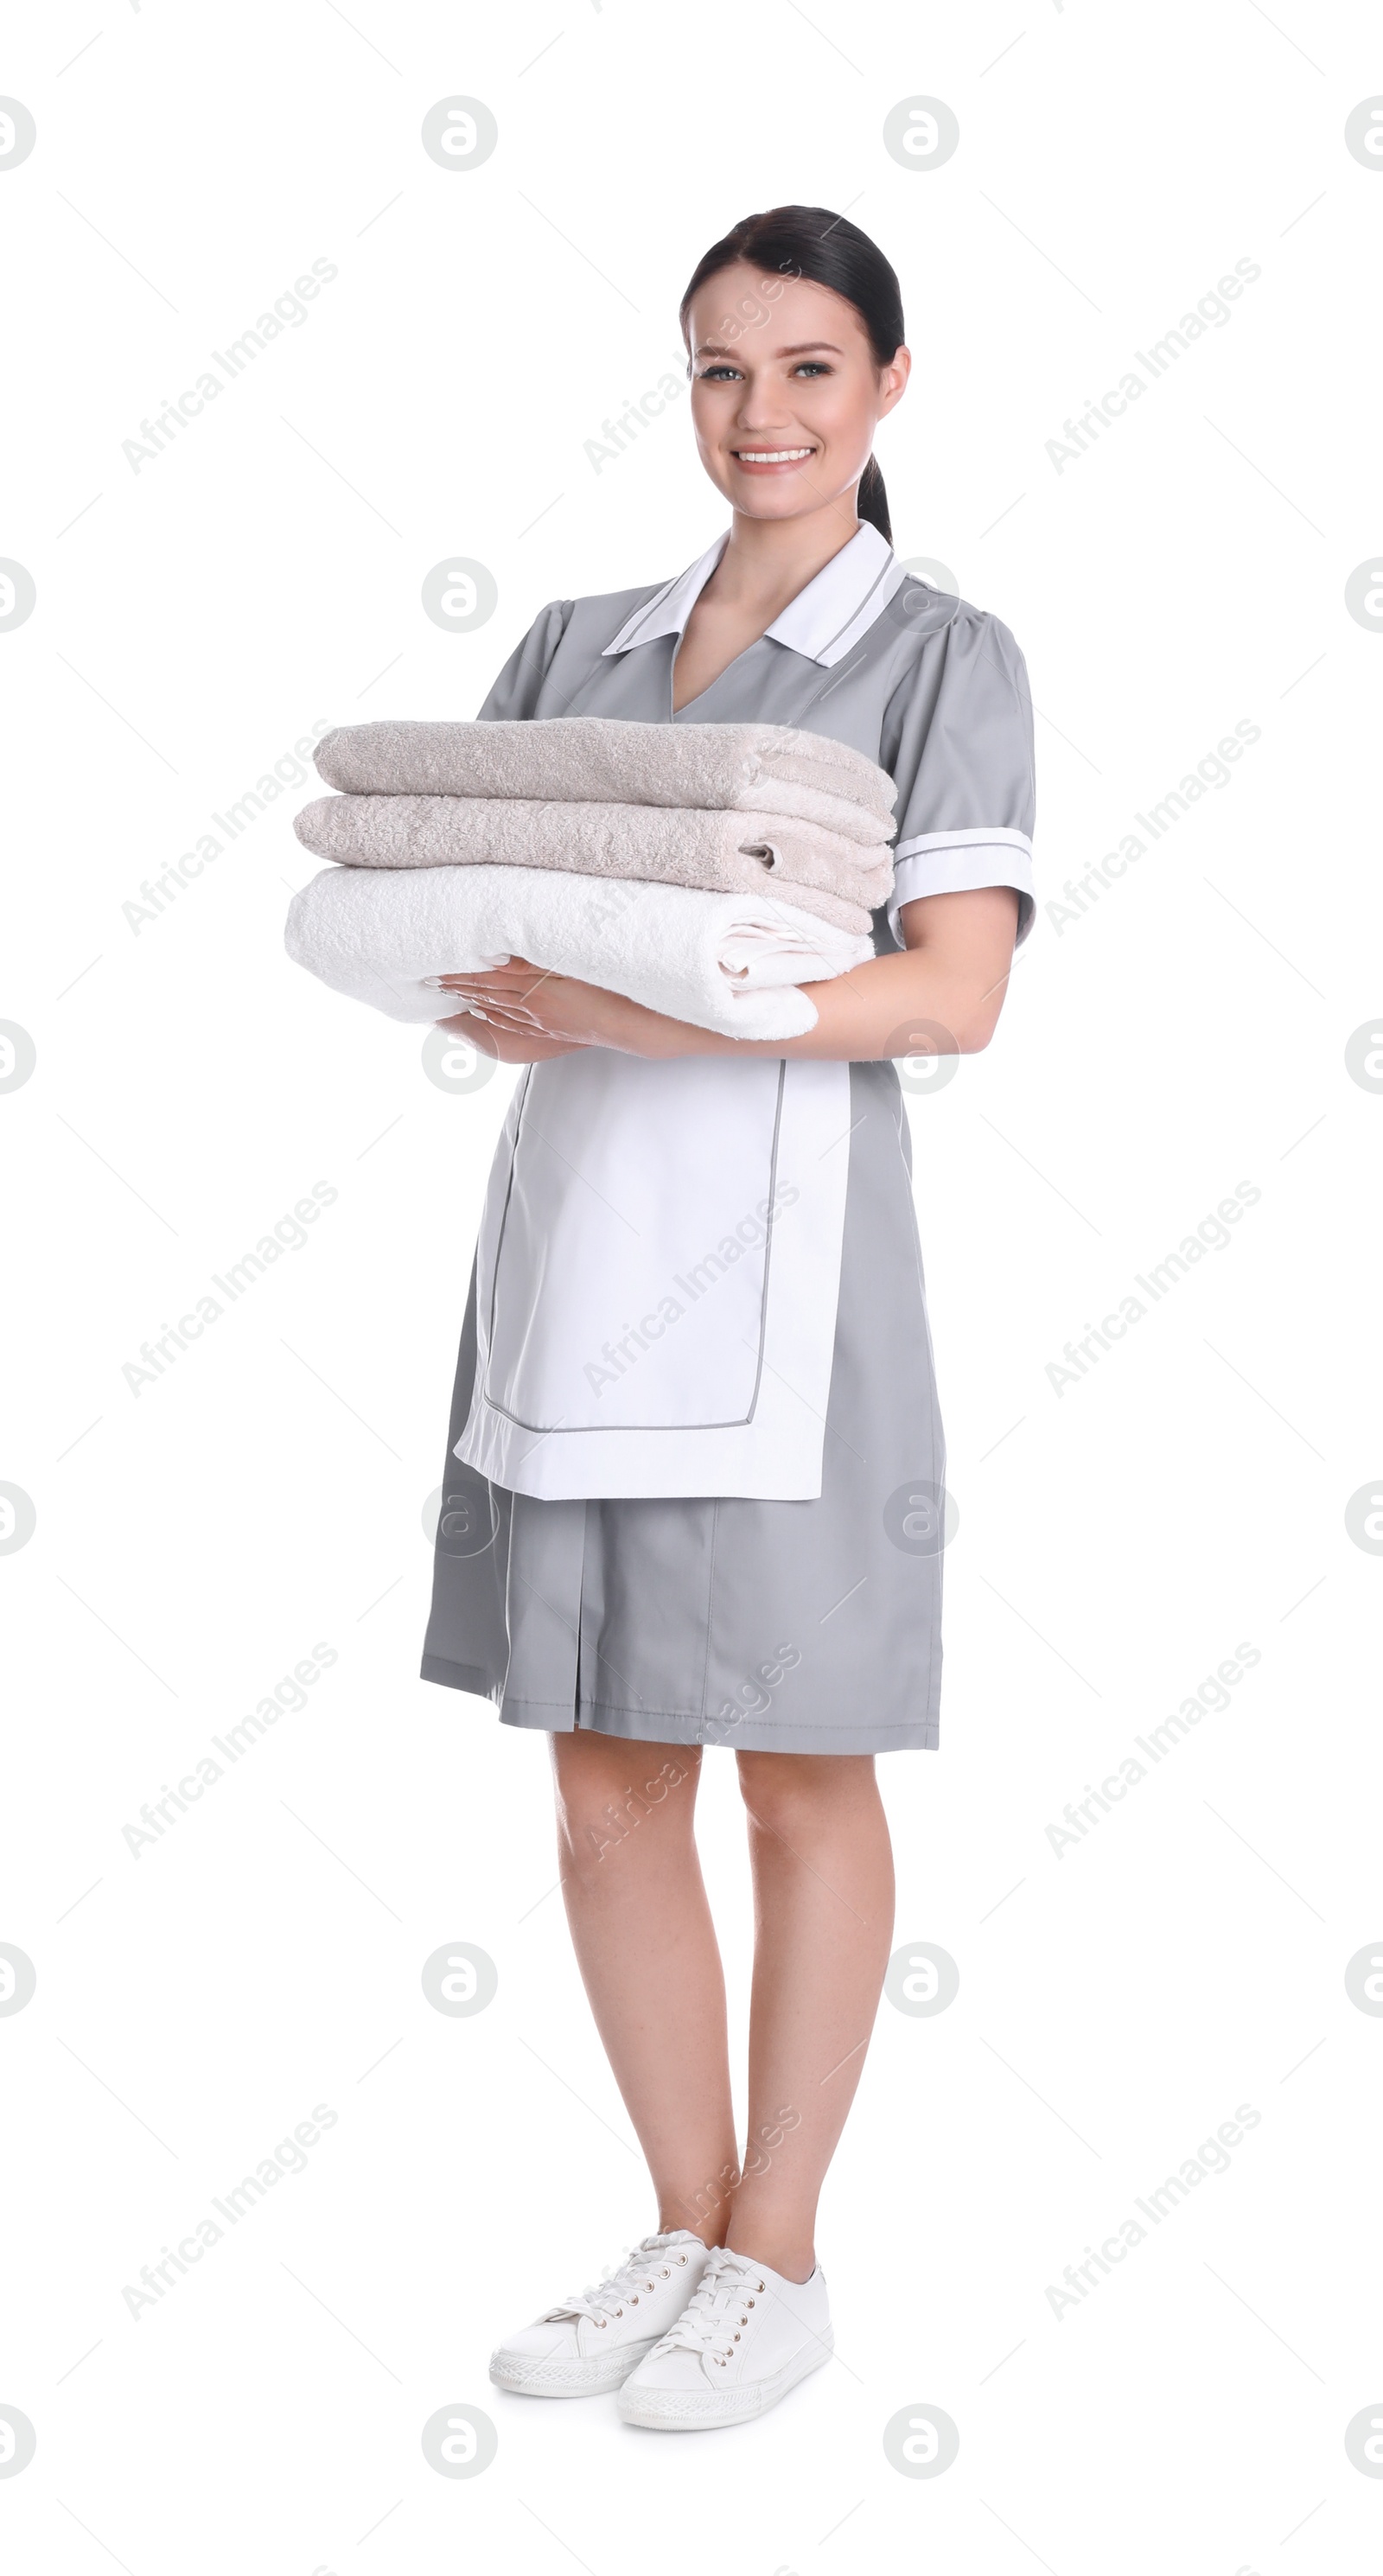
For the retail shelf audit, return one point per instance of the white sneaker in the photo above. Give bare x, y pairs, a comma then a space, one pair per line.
586, 2345
744, 2339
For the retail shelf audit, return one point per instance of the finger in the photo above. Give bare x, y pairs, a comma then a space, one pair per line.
471, 974
511, 1014
498, 981
517, 978
518, 972
463, 1025
494, 997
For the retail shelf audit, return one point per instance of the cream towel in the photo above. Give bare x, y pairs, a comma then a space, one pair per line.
717, 852
729, 962
602, 760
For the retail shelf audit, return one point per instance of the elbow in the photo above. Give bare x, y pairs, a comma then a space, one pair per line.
959, 1009
962, 1032
978, 1012
976, 1029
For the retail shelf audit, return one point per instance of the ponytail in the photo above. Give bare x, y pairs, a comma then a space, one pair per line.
871, 501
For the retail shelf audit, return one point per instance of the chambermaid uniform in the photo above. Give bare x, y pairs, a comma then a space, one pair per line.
693, 1485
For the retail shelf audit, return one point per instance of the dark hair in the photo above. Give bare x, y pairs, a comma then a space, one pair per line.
811, 242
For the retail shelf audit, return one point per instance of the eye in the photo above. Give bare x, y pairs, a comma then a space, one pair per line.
811, 367
718, 375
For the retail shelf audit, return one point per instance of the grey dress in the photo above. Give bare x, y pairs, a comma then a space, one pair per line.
770, 1626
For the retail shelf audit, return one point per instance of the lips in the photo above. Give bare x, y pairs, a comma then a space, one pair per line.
769, 460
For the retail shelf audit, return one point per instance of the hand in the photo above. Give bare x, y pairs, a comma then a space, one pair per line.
503, 1049
523, 1006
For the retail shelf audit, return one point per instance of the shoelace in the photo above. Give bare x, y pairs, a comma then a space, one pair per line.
718, 2311
649, 2263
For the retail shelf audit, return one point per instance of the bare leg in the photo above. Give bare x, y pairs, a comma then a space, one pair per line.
647, 1952
823, 1897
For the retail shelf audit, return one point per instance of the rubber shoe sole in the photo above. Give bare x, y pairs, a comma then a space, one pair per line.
683, 2410
524, 2377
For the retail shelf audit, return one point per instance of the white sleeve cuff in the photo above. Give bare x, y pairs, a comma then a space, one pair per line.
960, 862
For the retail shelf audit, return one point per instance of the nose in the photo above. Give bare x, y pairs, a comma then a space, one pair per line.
761, 408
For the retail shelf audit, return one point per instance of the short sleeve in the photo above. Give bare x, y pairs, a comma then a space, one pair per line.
958, 743
515, 693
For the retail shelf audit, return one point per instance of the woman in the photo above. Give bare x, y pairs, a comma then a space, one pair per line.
728, 1531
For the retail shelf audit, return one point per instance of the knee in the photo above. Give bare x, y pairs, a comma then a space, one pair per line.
792, 1794
616, 1790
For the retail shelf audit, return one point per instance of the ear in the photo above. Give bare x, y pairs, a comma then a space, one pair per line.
893, 379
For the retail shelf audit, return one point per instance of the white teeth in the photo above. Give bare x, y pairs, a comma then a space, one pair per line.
771, 455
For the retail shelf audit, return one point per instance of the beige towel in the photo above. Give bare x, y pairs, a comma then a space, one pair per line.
802, 863
602, 760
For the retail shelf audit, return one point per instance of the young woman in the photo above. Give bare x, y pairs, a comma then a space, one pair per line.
727, 1532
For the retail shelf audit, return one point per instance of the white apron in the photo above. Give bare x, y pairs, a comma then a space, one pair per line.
657, 1278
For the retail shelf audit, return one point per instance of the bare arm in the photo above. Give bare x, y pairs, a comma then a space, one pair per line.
950, 979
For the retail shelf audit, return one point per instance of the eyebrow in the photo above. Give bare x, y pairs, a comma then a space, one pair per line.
802, 349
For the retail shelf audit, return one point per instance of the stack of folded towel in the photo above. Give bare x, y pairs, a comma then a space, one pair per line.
704, 870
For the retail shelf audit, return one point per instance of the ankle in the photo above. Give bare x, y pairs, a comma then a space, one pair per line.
706, 2208
711, 2231
788, 2256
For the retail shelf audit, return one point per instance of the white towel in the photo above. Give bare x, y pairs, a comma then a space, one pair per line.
730, 962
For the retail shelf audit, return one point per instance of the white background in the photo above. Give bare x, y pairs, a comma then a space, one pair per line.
1117, 1540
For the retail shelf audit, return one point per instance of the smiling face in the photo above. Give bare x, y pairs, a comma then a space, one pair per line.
786, 391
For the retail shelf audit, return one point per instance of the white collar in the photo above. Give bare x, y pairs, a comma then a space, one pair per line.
822, 622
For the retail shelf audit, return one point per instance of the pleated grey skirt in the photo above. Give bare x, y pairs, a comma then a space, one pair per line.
808, 1627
